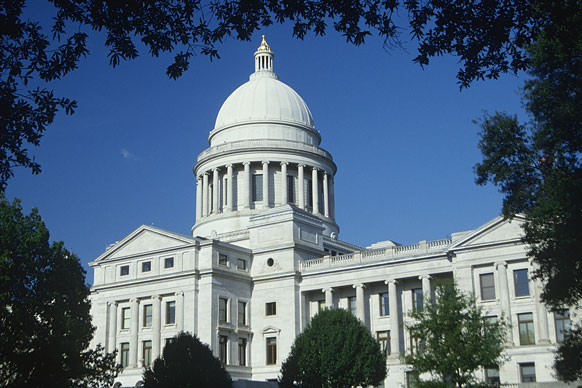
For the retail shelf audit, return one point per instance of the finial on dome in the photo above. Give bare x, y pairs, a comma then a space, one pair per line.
264, 58
264, 46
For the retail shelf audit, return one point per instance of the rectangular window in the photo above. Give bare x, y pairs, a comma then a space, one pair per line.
222, 310
521, 282
271, 351
271, 308
417, 301
257, 187
492, 376
416, 345
223, 347
487, 281
352, 305
124, 352
222, 260
290, 189
384, 304
125, 318
411, 380
147, 315
169, 262
526, 329
147, 353
527, 372
562, 321
320, 305
242, 351
241, 264
124, 270
490, 321
146, 266
170, 312
242, 313
384, 340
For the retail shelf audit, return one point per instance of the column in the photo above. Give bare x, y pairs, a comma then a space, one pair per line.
394, 328
360, 309
265, 184
112, 327
180, 311
331, 197
504, 297
328, 297
541, 311
198, 198
229, 197
156, 326
426, 294
133, 333
284, 199
215, 190
247, 185
205, 195
300, 183
325, 195
315, 191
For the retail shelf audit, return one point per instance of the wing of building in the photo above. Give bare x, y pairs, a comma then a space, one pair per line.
264, 256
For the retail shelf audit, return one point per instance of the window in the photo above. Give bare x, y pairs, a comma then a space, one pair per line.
257, 187
490, 321
169, 262
147, 353
170, 312
521, 282
320, 305
527, 372
492, 375
125, 318
271, 308
146, 266
383, 338
309, 193
352, 305
124, 270
487, 282
222, 310
526, 329
124, 354
222, 260
242, 313
242, 351
147, 315
384, 304
241, 264
222, 346
169, 341
416, 344
411, 380
417, 302
271, 351
562, 321
290, 189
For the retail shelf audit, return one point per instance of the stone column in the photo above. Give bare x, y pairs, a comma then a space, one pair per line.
265, 184
504, 297
300, 190
331, 197
112, 327
394, 327
180, 311
328, 297
247, 185
215, 190
325, 195
360, 306
198, 198
229, 197
133, 345
205, 195
315, 191
284, 199
541, 311
426, 292
156, 326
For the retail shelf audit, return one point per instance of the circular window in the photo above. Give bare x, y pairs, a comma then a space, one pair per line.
270, 262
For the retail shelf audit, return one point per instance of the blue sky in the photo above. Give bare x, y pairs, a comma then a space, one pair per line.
403, 139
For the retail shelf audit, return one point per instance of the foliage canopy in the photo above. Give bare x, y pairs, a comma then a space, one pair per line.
335, 350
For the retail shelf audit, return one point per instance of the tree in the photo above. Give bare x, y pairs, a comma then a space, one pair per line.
45, 325
335, 350
488, 37
453, 339
186, 363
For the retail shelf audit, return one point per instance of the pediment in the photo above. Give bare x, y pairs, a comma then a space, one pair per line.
496, 231
270, 330
143, 240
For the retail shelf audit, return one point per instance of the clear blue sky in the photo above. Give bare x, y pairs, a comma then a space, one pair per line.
403, 139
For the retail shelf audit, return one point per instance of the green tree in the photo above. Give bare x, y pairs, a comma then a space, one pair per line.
186, 363
335, 350
452, 339
45, 326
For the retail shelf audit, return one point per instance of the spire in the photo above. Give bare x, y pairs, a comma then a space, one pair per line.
264, 57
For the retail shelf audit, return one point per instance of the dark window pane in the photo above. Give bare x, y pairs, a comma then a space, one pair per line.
487, 281
521, 282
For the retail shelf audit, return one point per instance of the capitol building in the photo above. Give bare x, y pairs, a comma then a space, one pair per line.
265, 256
